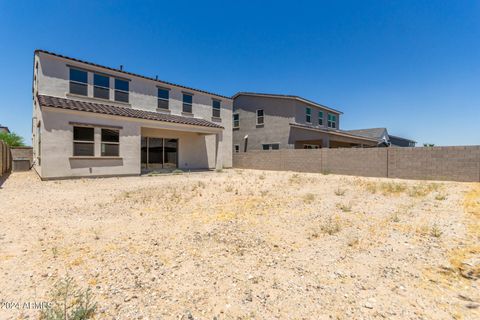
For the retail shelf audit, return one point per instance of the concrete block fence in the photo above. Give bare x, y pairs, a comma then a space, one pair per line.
429, 163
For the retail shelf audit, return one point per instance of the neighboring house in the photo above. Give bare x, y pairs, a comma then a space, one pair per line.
273, 121
91, 120
4, 129
383, 138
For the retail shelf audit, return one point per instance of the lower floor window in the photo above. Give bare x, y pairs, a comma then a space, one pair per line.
311, 146
237, 148
271, 146
83, 141
110, 143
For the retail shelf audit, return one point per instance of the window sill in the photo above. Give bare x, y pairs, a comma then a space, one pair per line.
187, 114
260, 125
236, 128
73, 95
163, 110
94, 158
216, 119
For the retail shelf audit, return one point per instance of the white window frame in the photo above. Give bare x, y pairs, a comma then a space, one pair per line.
109, 142
120, 90
320, 119
82, 141
262, 116
308, 116
238, 125
163, 99
77, 82
102, 87
215, 109
270, 146
332, 123
187, 103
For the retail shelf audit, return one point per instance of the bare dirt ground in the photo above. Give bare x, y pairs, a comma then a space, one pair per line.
244, 244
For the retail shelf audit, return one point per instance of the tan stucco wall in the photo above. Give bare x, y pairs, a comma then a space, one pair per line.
197, 150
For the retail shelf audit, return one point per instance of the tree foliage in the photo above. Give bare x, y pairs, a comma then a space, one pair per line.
12, 139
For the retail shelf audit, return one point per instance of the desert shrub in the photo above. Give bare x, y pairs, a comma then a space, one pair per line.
69, 302
177, 171
262, 176
344, 207
339, 192
440, 197
395, 217
294, 178
435, 231
330, 226
229, 188
308, 198
220, 170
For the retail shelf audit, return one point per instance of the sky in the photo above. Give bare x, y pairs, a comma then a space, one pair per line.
410, 66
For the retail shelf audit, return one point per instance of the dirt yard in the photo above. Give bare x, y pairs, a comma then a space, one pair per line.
244, 244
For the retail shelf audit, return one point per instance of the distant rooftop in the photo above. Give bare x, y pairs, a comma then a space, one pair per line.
4, 129
374, 133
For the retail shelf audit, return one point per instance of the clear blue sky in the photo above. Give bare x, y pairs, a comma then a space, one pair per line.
410, 66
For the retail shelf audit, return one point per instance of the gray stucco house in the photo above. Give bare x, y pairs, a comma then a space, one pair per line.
93, 120
384, 138
272, 121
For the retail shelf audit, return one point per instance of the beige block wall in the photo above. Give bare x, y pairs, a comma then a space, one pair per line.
437, 163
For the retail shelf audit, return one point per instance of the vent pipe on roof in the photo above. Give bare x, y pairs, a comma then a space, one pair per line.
121, 67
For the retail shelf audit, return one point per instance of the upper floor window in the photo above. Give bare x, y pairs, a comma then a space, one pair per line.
187, 103
308, 115
236, 120
216, 108
260, 118
121, 90
78, 82
83, 141
332, 121
101, 86
163, 98
320, 118
110, 143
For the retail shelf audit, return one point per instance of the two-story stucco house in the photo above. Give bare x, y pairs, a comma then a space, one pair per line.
92, 120
272, 121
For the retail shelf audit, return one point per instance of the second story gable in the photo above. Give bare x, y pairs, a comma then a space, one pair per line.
275, 108
64, 77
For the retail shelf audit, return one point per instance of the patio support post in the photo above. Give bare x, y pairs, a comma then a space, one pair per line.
218, 151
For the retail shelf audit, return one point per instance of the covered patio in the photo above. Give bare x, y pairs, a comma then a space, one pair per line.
305, 137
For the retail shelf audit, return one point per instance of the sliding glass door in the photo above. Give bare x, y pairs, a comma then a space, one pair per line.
159, 153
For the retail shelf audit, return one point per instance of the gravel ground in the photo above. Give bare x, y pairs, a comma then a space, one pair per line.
244, 244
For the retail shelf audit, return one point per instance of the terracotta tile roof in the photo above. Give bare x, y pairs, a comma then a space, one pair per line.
129, 73
62, 103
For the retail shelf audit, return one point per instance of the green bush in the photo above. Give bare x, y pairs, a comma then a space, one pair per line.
12, 139
69, 302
